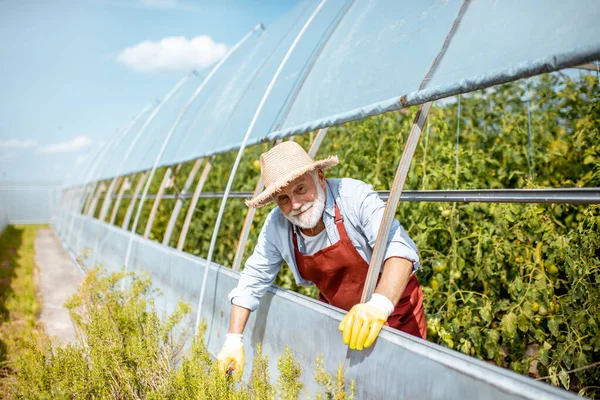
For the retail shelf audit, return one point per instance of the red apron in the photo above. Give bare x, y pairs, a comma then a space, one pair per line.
339, 272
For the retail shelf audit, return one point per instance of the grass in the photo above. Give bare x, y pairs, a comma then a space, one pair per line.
19, 305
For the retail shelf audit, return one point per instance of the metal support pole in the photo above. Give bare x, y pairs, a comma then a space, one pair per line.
157, 199
393, 200
92, 176
89, 194
179, 202
125, 186
108, 198
194, 202
170, 135
129, 212
101, 189
241, 151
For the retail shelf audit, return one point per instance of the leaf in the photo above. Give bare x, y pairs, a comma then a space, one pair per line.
543, 356
589, 159
491, 343
523, 323
509, 324
554, 325
564, 379
486, 312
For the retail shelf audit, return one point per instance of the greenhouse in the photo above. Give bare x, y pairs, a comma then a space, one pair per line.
477, 121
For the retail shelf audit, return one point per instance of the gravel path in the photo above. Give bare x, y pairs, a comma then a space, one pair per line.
58, 279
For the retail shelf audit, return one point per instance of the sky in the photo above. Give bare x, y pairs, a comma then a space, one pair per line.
75, 72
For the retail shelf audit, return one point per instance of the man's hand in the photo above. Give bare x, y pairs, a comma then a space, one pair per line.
231, 356
362, 324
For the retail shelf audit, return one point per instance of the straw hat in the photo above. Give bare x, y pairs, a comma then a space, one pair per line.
281, 165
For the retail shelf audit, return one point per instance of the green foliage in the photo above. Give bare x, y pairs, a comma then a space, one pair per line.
513, 284
125, 351
288, 384
332, 389
19, 305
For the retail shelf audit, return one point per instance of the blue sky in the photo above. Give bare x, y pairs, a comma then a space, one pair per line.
73, 72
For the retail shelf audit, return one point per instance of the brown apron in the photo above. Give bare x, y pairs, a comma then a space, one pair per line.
339, 272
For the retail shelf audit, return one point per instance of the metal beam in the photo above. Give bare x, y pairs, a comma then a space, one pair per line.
589, 66
179, 203
157, 199
194, 202
96, 198
136, 193
125, 186
561, 195
169, 136
108, 198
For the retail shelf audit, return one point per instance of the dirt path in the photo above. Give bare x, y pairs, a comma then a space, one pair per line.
58, 279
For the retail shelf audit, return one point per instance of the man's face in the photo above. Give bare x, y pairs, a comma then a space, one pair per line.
302, 200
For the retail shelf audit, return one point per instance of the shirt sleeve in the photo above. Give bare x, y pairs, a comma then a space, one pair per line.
370, 210
259, 272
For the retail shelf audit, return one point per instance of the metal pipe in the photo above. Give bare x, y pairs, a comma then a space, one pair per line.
241, 151
541, 196
108, 197
125, 186
129, 212
190, 212
157, 199
179, 203
170, 134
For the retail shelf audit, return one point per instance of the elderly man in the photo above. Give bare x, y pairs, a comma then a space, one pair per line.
325, 230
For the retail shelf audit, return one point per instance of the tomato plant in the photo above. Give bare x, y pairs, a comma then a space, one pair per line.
514, 284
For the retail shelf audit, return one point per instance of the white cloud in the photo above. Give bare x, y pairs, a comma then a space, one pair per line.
173, 54
77, 143
17, 144
80, 159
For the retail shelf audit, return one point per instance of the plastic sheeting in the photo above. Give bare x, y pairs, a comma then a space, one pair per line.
360, 58
27, 203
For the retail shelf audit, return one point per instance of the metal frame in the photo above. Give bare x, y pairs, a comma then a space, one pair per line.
180, 198
96, 198
126, 185
129, 212
241, 151
190, 212
161, 190
108, 197
170, 134
536, 196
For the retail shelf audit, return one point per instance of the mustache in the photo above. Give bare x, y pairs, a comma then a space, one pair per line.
304, 207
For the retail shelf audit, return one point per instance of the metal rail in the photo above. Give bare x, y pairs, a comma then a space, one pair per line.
179, 204
561, 195
157, 199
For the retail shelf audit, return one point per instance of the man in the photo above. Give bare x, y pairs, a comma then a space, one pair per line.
325, 230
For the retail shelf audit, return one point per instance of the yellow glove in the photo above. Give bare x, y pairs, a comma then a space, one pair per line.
231, 356
362, 324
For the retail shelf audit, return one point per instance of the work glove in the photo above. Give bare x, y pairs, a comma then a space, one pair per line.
231, 356
363, 322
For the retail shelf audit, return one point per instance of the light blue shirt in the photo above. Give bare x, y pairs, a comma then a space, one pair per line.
362, 210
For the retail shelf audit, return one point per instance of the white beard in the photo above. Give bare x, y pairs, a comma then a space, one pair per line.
311, 212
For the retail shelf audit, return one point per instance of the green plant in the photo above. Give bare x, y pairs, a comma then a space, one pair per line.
510, 283
125, 350
19, 305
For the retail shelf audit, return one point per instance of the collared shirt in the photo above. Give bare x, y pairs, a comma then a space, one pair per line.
362, 211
